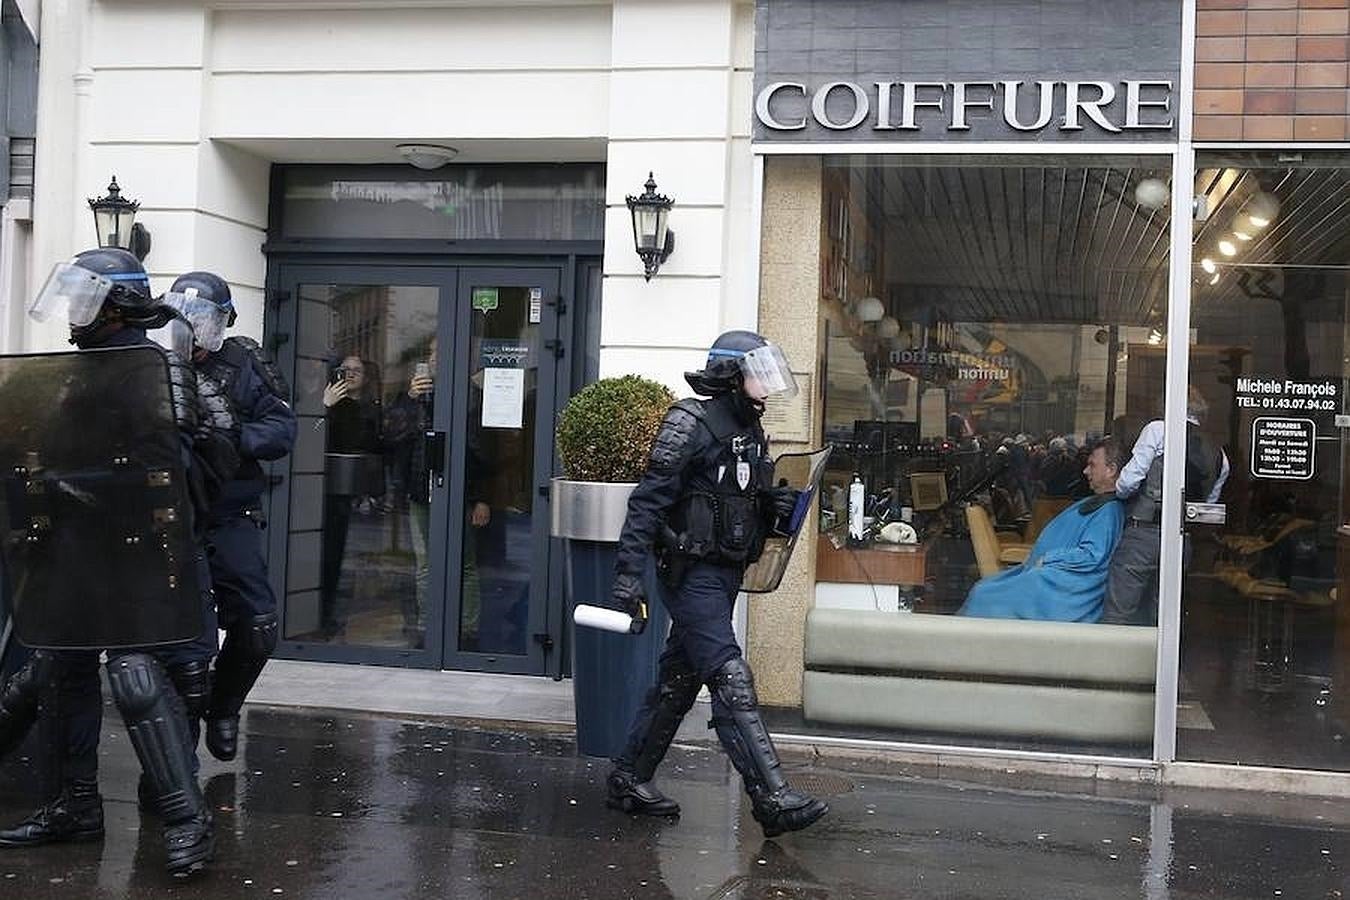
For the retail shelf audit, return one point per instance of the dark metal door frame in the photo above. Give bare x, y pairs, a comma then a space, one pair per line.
575, 323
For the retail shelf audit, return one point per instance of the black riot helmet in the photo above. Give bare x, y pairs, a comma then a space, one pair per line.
95, 288
743, 359
207, 286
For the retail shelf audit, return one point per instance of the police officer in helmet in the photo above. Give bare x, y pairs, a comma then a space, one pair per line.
245, 604
704, 506
105, 296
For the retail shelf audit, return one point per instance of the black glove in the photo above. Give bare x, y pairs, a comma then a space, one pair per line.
630, 596
783, 499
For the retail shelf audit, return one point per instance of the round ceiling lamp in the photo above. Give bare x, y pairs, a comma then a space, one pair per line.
871, 309
426, 156
1262, 209
1151, 193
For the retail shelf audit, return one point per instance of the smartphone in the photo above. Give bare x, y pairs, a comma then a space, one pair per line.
422, 370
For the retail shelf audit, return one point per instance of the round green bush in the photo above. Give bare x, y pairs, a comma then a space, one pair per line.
605, 432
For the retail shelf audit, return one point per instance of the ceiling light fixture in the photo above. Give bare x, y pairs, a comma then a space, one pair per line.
426, 156
1208, 265
1241, 235
1228, 248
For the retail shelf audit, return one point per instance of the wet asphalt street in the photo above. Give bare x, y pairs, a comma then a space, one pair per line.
324, 806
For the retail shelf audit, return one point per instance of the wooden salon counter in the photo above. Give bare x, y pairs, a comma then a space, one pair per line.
903, 564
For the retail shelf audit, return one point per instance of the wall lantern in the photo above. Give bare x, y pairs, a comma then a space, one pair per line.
115, 222
651, 234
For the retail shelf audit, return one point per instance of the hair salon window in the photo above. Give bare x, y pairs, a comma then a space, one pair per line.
992, 346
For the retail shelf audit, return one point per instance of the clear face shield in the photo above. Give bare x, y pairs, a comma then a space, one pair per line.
767, 373
176, 335
208, 320
72, 290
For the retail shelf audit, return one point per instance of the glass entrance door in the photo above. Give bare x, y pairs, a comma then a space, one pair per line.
363, 541
507, 365
412, 528
1265, 664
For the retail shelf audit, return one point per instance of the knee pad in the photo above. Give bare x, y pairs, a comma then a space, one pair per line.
734, 684
261, 636
138, 682
677, 688
192, 680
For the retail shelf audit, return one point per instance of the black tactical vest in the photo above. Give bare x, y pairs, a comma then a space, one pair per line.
721, 518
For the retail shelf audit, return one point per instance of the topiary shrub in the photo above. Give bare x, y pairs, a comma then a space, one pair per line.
605, 432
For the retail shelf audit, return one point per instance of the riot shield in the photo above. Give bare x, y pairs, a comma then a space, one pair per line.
802, 471
97, 548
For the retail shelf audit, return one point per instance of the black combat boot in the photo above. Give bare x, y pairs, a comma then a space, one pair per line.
247, 648
630, 785
776, 806
75, 815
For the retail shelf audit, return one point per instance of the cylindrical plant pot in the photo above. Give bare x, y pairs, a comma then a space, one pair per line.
611, 673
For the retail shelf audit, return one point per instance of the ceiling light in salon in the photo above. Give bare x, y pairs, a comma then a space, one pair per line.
1208, 265
870, 309
1227, 248
426, 156
1262, 208
1241, 235
1151, 193
1215, 279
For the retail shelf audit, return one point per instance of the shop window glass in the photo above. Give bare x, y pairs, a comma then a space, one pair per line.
988, 322
563, 202
1265, 604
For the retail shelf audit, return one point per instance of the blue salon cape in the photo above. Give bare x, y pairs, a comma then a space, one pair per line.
1064, 577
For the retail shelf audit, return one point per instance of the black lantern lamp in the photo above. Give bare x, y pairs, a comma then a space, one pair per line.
115, 222
651, 233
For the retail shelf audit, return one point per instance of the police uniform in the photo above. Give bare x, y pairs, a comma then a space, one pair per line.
705, 505
245, 603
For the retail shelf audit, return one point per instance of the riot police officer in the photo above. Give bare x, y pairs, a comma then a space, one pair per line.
705, 505
107, 300
245, 604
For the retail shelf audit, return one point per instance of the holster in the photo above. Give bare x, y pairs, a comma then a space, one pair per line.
671, 560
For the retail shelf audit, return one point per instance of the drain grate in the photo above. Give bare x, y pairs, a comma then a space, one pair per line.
821, 784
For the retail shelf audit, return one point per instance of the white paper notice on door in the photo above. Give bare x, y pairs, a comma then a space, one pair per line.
503, 397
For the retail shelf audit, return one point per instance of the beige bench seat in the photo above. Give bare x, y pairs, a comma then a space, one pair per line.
916, 672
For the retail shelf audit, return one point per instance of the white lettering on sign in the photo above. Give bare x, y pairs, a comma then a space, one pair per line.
1283, 449
1141, 106
1287, 394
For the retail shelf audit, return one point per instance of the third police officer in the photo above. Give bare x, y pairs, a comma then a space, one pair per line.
245, 603
705, 505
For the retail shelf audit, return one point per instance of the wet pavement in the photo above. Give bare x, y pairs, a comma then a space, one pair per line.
355, 806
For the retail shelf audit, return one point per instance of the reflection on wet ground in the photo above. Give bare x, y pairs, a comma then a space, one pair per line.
353, 806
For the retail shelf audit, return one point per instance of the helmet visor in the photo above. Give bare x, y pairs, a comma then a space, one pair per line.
175, 335
766, 372
72, 290
208, 320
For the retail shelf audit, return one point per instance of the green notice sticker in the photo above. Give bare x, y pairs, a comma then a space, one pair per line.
485, 299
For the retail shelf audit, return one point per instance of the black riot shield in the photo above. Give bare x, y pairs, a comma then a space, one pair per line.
803, 472
97, 548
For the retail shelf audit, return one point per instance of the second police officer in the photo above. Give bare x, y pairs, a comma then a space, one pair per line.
705, 505
245, 603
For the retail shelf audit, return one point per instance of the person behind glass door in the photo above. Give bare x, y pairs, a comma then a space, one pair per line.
1132, 589
410, 417
353, 435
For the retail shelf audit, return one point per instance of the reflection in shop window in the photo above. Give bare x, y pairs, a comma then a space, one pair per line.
991, 350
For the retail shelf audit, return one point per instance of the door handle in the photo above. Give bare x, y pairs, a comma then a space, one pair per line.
434, 445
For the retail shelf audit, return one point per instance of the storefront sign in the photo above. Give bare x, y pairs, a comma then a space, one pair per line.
1261, 392
934, 105
966, 71
1283, 448
484, 299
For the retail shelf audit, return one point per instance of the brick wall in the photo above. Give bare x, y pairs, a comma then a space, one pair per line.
1272, 70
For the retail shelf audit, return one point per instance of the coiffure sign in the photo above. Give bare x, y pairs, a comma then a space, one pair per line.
951, 105
966, 70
